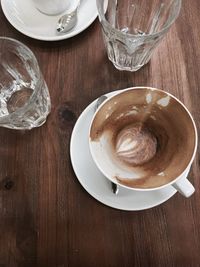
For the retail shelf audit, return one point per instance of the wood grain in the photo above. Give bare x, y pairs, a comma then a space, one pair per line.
46, 218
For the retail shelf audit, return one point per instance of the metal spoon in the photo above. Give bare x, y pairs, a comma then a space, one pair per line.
100, 100
68, 21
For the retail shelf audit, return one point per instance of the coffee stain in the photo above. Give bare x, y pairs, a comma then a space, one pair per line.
135, 144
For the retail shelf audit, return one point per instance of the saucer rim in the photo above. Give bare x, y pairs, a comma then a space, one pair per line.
47, 38
93, 194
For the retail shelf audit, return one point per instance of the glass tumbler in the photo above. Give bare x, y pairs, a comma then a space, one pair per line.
132, 29
24, 96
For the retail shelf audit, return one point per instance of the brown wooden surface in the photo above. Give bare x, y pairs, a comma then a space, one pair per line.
46, 218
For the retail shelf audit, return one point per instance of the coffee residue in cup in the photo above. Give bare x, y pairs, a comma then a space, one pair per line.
142, 138
135, 144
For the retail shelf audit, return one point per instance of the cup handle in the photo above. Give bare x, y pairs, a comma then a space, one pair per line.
184, 187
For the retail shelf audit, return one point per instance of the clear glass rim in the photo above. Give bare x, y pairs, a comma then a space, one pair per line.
102, 17
32, 97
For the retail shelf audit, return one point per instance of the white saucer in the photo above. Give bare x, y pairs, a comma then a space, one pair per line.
28, 20
93, 180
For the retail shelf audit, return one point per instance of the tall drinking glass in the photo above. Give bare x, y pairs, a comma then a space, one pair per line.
132, 29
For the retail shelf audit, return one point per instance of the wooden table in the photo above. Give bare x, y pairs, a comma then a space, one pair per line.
46, 217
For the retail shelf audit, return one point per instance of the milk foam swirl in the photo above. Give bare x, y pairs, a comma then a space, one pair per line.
135, 145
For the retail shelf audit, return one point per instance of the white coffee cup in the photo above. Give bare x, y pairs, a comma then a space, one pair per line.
51, 7
175, 134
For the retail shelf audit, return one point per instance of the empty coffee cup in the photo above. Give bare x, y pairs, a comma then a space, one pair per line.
144, 139
51, 7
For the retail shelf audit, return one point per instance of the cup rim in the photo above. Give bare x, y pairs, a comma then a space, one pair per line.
32, 97
45, 11
153, 188
101, 16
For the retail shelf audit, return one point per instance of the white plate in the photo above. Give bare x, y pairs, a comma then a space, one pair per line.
28, 20
93, 180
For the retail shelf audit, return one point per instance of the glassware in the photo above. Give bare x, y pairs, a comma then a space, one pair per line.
132, 29
24, 96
